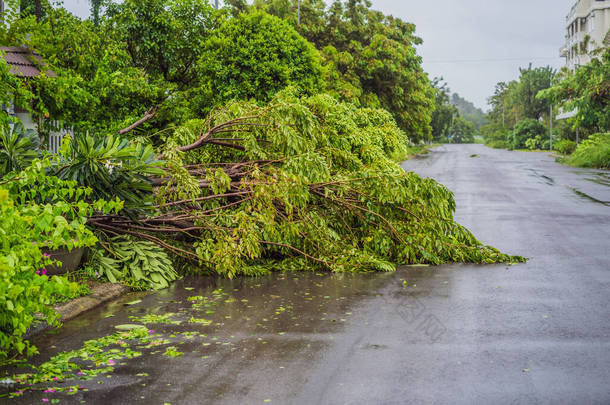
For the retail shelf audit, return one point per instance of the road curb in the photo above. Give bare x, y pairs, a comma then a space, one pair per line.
100, 294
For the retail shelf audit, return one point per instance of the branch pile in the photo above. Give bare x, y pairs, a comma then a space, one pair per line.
302, 184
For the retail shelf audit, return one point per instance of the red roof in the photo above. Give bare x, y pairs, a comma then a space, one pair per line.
23, 62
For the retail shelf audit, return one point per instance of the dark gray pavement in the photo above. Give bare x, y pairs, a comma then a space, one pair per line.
537, 333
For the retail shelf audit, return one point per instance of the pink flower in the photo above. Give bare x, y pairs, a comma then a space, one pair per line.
50, 390
151, 331
80, 373
44, 272
45, 400
111, 362
46, 255
37, 271
55, 378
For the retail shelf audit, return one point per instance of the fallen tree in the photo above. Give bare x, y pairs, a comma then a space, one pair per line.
301, 184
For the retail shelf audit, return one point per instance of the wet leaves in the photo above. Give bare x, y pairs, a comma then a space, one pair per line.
212, 321
129, 327
172, 351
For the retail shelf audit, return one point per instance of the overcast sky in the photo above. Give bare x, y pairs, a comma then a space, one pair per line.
473, 44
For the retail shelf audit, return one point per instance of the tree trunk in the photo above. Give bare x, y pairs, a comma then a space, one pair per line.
37, 10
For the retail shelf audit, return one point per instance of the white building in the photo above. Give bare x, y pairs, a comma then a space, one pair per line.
587, 27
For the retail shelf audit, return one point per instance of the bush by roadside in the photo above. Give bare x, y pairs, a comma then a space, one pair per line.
565, 147
524, 130
593, 152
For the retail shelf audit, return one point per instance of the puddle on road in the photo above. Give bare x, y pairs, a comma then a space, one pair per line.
206, 323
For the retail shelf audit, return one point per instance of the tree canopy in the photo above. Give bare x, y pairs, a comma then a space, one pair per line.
587, 91
370, 58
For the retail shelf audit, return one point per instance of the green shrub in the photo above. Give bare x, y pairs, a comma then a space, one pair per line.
526, 129
18, 148
111, 167
253, 56
592, 152
538, 143
35, 211
533, 143
498, 144
565, 147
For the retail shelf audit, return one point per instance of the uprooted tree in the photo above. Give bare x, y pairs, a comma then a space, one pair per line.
300, 184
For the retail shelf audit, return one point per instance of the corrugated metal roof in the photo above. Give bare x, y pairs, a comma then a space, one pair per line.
23, 62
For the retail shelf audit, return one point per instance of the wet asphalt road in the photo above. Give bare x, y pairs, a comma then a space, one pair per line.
537, 333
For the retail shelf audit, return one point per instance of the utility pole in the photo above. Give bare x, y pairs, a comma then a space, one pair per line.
298, 12
502, 113
216, 4
551, 116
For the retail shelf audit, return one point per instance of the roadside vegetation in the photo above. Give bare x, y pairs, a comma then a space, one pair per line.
454, 120
519, 118
227, 142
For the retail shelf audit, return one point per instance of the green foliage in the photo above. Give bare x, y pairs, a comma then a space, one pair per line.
111, 167
253, 56
462, 131
58, 209
565, 147
164, 38
532, 81
525, 129
588, 90
334, 196
18, 148
370, 58
592, 152
495, 135
443, 113
35, 211
139, 264
537, 143
95, 357
96, 85
516, 102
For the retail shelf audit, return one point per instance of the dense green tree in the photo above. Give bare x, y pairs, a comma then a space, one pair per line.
164, 38
462, 131
532, 81
526, 129
370, 57
443, 113
253, 56
586, 90
515, 101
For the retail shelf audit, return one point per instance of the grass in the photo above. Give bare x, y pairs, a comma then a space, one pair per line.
414, 150
593, 152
